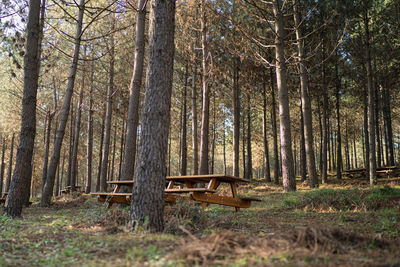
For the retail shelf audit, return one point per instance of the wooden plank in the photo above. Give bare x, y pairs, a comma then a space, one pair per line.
123, 182
221, 200
189, 190
111, 194
207, 177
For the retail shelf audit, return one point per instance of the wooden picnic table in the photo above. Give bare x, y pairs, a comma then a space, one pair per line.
210, 194
187, 185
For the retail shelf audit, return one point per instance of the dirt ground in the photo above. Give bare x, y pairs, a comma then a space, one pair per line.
343, 223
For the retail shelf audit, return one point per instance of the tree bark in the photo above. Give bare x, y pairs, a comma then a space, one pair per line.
128, 168
195, 142
249, 167
3, 150
339, 137
148, 192
371, 106
274, 130
324, 169
89, 145
267, 173
183, 170
214, 135
10, 164
236, 116
20, 184
98, 180
205, 114
288, 177
74, 169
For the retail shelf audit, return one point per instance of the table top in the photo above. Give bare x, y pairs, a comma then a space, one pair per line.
123, 182
204, 178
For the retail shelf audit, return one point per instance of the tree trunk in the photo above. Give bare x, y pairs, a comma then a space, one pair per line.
379, 152
3, 150
214, 136
55, 158
183, 170
98, 180
307, 134
108, 120
89, 146
274, 130
148, 193
74, 169
111, 177
195, 142
388, 119
49, 118
324, 169
205, 114
121, 150
303, 160
355, 151
244, 142
289, 180
371, 108
339, 137
128, 167
10, 164
249, 167
62, 169
20, 184
236, 117
265, 134
71, 142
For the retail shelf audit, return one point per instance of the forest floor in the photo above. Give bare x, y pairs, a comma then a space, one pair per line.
343, 223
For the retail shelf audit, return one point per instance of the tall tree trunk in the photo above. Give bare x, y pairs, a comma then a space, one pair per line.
244, 142
108, 121
265, 133
3, 150
128, 167
355, 151
236, 116
274, 130
183, 156
303, 160
289, 179
347, 150
98, 180
249, 167
379, 152
89, 146
20, 184
148, 193
121, 150
55, 158
388, 119
339, 136
205, 114
74, 169
307, 134
371, 108
195, 142
321, 139
111, 177
62, 170
49, 118
325, 127
214, 135
71, 142
10, 164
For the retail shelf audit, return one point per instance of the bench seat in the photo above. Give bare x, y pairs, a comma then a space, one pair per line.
189, 190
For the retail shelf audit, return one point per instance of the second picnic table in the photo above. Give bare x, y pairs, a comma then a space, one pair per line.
177, 185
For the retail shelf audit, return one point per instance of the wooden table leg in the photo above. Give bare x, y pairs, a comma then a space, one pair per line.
234, 193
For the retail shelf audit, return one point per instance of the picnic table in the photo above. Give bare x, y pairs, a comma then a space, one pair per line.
178, 185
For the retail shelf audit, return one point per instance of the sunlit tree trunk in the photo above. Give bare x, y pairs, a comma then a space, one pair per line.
289, 181
339, 137
274, 131
183, 170
89, 144
249, 165
195, 142
74, 169
236, 116
128, 167
267, 173
55, 158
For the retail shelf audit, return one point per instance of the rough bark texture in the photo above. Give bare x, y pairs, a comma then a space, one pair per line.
236, 117
98, 182
288, 177
265, 135
371, 107
108, 120
305, 103
20, 184
89, 145
195, 142
74, 169
205, 113
49, 119
148, 193
55, 158
128, 167
3, 150
10, 164
274, 131
324, 169
249, 165
339, 136
183, 170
